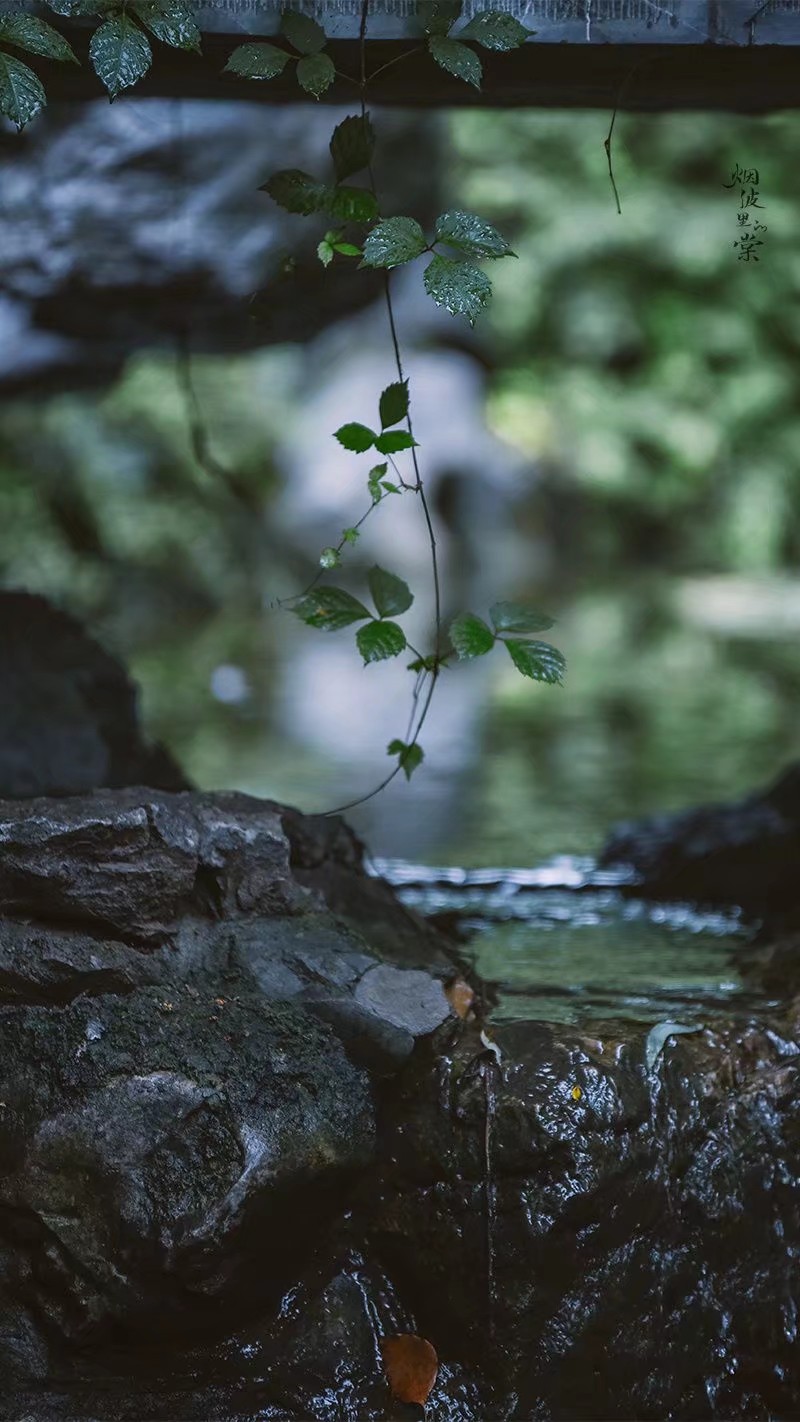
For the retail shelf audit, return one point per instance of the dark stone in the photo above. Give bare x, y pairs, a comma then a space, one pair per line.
68, 716
745, 853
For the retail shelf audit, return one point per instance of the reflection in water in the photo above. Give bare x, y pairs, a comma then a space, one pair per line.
562, 945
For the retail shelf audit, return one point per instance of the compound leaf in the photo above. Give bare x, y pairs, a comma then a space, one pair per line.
471, 234
471, 637
394, 241
389, 593
538, 660
460, 288
380, 640
355, 437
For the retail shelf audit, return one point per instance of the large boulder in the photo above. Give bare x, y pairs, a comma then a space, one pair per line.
746, 852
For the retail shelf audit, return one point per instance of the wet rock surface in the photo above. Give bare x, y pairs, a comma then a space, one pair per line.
244, 1137
746, 852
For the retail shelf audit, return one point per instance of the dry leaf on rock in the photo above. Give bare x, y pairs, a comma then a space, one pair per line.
411, 1366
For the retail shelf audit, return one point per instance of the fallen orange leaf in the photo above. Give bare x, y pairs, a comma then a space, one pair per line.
460, 996
411, 1366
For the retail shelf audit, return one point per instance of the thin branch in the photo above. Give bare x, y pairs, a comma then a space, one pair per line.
609, 136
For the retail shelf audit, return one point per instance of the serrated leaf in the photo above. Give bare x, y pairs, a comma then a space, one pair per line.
355, 437
315, 73
438, 16
171, 22
394, 441
352, 146
410, 756
257, 61
495, 29
325, 253
295, 190
303, 33
471, 637
120, 53
471, 234
510, 617
380, 640
538, 660
37, 37
394, 241
22, 96
331, 609
460, 288
389, 593
329, 558
457, 59
374, 481
352, 204
393, 405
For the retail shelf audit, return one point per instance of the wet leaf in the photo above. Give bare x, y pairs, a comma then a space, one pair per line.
394, 404
380, 640
330, 608
438, 16
295, 190
303, 33
510, 617
658, 1037
457, 59
471, 637
120, 53
315, 73
460, 288
22, 96
171, 22
394, 241
471, 234
260, 61
325, 253
390, 594
352, 205
352, 146
329, 558
495, 29
35, 36
355, 437
411, 1366
538, 660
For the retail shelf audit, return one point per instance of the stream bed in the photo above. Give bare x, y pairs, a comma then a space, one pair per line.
563, 943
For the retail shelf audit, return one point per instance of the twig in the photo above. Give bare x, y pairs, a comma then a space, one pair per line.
609, 136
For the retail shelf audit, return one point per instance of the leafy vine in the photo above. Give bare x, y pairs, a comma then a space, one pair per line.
121, 54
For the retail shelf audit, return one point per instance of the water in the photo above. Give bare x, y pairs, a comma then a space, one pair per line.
561, 943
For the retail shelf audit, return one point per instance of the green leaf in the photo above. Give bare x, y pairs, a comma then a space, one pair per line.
374, 480
394, 403
389, 593
331, 609
380, 640
72, 8
471, 637
410, 756
315, 73
390, 488
352, 146
457, 59
495, 29
350, 535
537, 660
22, 96
356, 437
329, 558
347, 249
36, 36
394, 241
303, 33
438, 16
295, 190
120, 53
460, 288
325, 253
510, 617
470, 234
258, 61
394, 441
352, 205
427, 664
171, 22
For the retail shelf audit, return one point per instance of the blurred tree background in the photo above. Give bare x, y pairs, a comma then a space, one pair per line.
650, 377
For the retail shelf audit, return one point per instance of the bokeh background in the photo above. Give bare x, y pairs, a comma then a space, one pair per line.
619, 444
